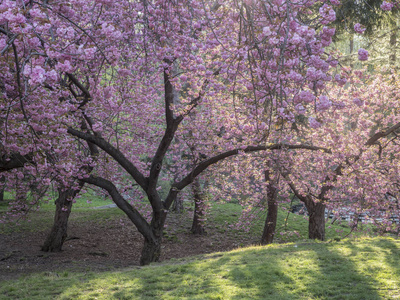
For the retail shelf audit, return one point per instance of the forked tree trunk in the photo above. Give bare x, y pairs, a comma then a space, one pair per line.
316, 222
55, 239
199, 209
272, 215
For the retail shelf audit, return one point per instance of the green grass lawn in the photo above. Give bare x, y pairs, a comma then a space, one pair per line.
357, 268
41, 218
349, 269
290, 227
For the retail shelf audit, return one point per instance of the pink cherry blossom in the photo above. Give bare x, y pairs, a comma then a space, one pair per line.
387, 6
314, 123
358, 102
328, 15
324, 103
362, 54
359, 28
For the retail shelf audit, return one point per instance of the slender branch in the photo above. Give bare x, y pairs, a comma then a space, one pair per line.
206, 163
14, 160
137, 219
78, 84
172, 126
373, 140
381, 134
168, 99
113, 152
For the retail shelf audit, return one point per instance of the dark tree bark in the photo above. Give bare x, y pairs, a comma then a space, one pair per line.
199, 209
13, 161
272, 214
21, 192
351, 50
392, 47
177, 206
316, 221
56, 238
58, 233
2, 188
316, 210
151, 252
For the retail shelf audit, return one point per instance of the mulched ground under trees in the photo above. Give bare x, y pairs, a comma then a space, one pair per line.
113, 244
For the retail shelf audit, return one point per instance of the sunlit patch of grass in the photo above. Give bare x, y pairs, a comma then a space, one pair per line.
362, 269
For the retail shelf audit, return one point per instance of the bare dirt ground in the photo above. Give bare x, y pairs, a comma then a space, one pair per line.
113, 244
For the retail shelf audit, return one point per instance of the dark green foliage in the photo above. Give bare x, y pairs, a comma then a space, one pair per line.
365, 12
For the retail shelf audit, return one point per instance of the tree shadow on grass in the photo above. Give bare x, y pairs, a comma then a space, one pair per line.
255, 278
315, 272
387, 270
309, 271
391, 250
339, 277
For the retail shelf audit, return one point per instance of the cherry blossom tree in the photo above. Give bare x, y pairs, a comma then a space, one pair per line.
129, 76
361, 129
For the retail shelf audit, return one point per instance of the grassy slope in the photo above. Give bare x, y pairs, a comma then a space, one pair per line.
362, 269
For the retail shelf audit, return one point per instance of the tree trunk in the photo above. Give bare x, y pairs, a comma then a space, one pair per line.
270, 223
199, 209
58, 233
178, 204
392, 47
272, 215
21, 192
351, 49
151, 251
2, 187
316, 223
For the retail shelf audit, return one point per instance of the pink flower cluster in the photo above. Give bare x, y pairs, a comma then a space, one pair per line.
340, 80
314, 123
324, 103
359, 28
387, 6
327, 14
358, 102
362, 54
